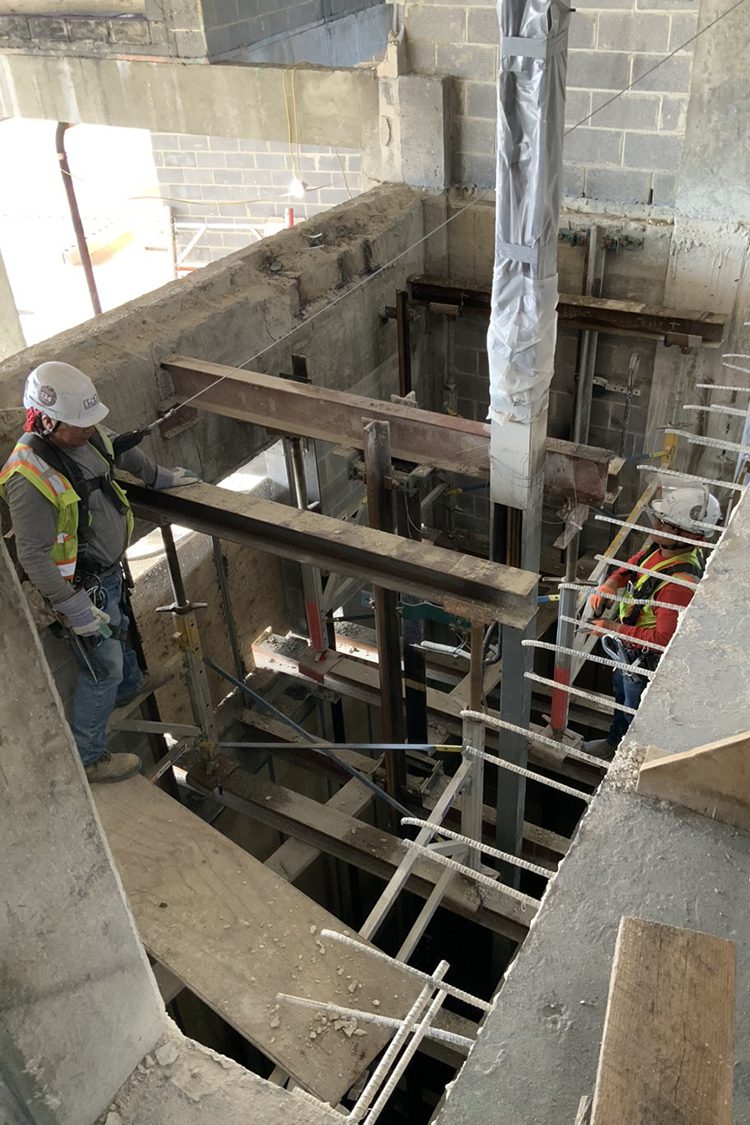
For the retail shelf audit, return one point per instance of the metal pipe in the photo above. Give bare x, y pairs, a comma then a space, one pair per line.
221, 577
378, 469
565, 636
324, 749
75, 216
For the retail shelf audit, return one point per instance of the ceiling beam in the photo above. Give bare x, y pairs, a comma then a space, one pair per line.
422, 437
601, 314
477, 589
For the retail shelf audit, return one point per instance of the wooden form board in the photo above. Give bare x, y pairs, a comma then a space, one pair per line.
667, 1055
364, 846
237, 934
713, 780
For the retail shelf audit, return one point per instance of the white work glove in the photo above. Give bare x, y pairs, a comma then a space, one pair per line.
174, 478
83, 617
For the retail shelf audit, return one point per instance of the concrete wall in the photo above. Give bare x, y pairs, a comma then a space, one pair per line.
225, 180
79, 1007
629, 152
347, 41
231, 25
99, 28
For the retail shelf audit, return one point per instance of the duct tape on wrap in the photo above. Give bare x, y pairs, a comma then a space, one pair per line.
531, 111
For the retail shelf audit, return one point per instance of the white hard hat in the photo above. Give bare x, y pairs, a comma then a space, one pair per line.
688, 508
64, 394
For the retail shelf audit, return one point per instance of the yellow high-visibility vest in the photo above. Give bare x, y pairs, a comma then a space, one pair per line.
56, 488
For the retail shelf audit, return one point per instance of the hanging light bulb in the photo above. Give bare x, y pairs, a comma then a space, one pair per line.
296, 188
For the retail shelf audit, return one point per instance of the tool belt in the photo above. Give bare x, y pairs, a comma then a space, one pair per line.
624, 652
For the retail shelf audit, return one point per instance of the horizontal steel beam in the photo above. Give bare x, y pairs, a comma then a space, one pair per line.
469, 587
600, 314
421, 437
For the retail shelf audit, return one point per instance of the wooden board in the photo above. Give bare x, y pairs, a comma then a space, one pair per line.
712, 779
366, 847
236, 934
667, 1055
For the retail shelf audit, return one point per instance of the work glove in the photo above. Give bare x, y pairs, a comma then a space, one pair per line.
84, 618
174, 478
599, 605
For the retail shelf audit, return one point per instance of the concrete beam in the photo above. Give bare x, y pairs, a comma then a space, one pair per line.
79, 1007
333, 106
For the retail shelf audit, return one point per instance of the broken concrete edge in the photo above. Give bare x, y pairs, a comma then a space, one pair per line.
180, 1082
247, 303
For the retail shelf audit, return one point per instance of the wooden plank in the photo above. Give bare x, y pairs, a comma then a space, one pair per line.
478, 589
236, 934
667, 1056
366, 847
713, 780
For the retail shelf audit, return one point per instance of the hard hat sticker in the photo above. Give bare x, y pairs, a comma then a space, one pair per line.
90, 403
47, 396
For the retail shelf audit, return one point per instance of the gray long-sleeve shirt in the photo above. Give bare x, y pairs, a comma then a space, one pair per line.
34, 520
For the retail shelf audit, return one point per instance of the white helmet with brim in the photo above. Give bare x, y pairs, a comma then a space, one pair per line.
688, 509
64, 394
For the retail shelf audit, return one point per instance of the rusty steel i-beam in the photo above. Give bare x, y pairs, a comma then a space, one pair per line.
421, 437
468, 587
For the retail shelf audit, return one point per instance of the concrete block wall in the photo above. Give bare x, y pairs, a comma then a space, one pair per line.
225, 180
629, 152
173, 29
231, 25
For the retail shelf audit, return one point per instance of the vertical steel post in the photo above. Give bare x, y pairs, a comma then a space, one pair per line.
404, 342
312, 587
183, 611
412, 629
380, 508
75, 216
565, 636
584, 387
226, 604
473, 736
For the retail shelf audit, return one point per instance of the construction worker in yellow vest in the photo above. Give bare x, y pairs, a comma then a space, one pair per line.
681, 514
72, 523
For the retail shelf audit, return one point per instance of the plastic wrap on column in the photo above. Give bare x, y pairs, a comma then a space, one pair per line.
521, 336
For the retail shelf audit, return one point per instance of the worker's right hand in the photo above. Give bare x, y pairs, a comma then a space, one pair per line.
600, 605
83, 617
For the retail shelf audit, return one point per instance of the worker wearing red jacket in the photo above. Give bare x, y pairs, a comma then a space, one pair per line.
684, 512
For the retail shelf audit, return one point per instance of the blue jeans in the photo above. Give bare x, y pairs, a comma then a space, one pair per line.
117, 674
628, 691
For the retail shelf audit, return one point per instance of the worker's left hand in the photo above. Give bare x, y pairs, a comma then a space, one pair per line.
174, 478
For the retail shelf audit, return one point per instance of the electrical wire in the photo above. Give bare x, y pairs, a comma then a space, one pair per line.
651, 69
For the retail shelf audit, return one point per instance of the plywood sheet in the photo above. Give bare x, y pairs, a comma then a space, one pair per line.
668, 1050
237, 934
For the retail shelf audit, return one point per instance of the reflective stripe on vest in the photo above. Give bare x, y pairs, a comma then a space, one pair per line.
647, 617
60, 492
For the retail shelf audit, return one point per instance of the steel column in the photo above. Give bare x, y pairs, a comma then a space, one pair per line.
312, 586
381, 515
